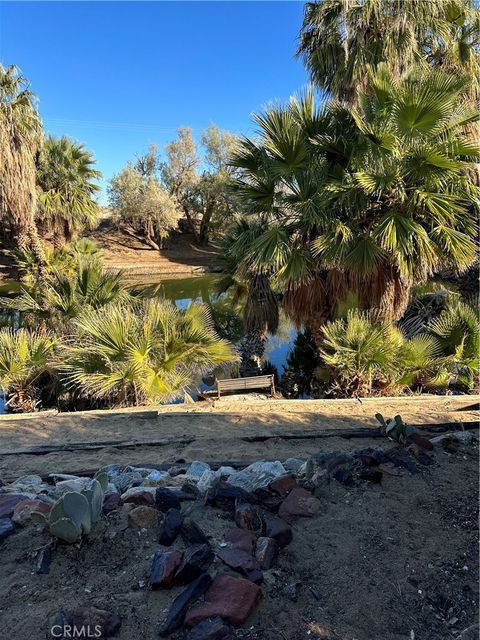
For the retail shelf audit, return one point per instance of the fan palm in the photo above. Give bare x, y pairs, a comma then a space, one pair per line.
260, 303
362, 353
24, 357
368, 200
64, 295
457, 332
142, 352
341, 39
20, 140
66, 180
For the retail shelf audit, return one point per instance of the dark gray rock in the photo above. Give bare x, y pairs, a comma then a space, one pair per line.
192, 533
171, 526
372, 475
166, 499
178, 609
6, 528
291, 591
44, 559
212, 629
226, 496
276, 528
196, 560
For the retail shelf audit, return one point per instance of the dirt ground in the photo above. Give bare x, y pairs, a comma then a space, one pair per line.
395, 561
181, 254
216, 430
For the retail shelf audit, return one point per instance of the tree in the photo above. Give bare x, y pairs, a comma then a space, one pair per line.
143, 205
204, 196
20, 140
368, 199
341, 41
66, 180
144, 352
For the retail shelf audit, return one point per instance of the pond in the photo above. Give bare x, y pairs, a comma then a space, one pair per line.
227, 316
286, 345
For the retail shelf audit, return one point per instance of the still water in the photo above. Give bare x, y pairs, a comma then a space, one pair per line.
227, 316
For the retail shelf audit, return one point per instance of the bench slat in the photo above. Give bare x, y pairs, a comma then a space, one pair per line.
239, 384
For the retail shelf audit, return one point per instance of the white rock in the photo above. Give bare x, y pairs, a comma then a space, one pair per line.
224, 471
206, 481
77, 484
466, 437
197, 469
32, 480
157, 475
293, 464
257, 475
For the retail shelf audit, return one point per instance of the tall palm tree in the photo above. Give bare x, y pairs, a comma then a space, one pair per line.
20, 140
66, 179
368, 199
341, 39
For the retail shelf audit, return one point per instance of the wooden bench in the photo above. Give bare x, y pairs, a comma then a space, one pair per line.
245, 384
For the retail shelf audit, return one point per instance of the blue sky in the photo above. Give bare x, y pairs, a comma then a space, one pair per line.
119, 75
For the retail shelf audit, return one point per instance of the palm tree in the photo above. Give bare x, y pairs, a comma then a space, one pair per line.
66, 180
362, 354
457, 333
20, 140
341, 40
367, 200
142, 352
25, 356
253, 289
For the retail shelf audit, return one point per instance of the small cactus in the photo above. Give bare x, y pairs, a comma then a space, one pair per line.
73, 514
395, 429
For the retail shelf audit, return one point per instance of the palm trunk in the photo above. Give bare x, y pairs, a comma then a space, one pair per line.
252, 349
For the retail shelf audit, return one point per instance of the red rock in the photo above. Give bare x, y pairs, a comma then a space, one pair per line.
164, 565
23, 510
233, 599
421, 441
8, 502
243, 562
248, 517
111, 502
90, 617
299, 503
283, 485
240, 539
139, 497
266, 552
276, 528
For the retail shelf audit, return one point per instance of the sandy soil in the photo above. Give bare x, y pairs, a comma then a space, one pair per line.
216, 430
396, 561
180, 256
